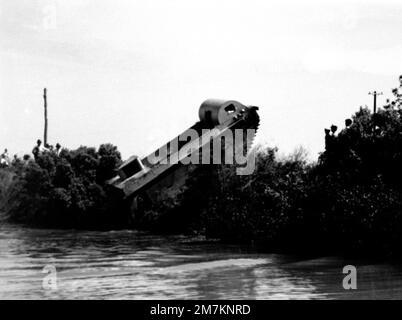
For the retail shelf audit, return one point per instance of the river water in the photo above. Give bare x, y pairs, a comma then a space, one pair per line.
135, 265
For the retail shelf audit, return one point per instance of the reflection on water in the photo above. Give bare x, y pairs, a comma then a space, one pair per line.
133, 265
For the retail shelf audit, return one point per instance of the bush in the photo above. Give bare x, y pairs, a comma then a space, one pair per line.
66, 190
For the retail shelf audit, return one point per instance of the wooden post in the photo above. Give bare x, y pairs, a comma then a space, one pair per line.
375, 94
45, 105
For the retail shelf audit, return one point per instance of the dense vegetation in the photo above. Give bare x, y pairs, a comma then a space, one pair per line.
63, 190
350, 200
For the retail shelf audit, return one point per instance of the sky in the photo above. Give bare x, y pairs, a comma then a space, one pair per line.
134, 73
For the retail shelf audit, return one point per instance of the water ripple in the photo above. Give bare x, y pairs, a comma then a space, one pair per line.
137, 265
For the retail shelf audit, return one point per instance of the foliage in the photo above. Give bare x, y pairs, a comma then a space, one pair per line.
66, 190
349, 201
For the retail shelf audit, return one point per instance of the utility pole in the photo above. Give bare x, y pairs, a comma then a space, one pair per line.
45, 105
375, 94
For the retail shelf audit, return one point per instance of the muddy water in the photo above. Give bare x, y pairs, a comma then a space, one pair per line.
134, 265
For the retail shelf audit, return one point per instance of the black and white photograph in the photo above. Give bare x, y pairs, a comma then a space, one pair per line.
209, 153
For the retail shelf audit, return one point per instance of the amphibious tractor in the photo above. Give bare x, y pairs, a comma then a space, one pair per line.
163, 173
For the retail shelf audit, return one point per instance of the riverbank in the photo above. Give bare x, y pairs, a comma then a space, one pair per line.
286, 205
